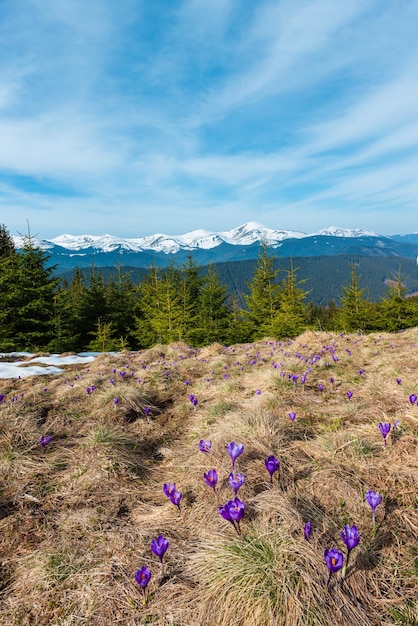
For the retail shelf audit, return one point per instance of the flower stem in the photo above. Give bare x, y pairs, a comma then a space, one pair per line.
344, 570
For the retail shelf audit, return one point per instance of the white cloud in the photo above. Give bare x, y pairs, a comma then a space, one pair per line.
159, 116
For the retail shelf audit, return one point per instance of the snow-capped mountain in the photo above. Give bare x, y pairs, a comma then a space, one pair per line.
244, 235
334, 231
239, 244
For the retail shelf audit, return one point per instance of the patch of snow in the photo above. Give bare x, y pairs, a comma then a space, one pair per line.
15, 370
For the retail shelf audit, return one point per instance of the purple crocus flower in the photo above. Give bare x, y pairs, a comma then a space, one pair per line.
173, 494
258, 392
211, 479
159, 547
373, 499
349, 394
193, 399
175, 499
351, 538
169, 489
272, 465
147, 410
234, 450
142, 577
236, 481
44, 440
205, 445
399, 381
292, 416
233, 511
384, 429
412, 398
334, 560
321, 387
115, 402
307, 530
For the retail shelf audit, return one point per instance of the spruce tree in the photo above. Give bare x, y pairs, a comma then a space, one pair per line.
238, 331
353, 314
161, 306
263, 301
8, 277
396, 311
291, 319
190, 286
121, 303
32, 298
91, 304
213, 319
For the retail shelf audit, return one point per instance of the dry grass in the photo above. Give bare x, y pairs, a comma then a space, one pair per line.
77, 518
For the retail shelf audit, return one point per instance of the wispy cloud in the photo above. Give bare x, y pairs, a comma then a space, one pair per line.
134, 118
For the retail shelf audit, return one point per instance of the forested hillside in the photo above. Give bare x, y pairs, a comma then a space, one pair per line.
325, 276
227, 303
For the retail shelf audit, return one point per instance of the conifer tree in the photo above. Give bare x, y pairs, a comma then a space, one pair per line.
353, 314
8, 277
149, 303
239, 331
291, 319
190, 284
213, 319
396, 311
64, 336
32, 298
263, 301
91, 304
7, 246
161, 308
121, 302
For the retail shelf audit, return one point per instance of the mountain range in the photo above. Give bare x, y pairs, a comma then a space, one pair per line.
239, 244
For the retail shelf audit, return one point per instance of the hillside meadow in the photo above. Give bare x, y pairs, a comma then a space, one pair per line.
78, 513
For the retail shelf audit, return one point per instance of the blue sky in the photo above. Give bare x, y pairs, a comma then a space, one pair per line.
143, 116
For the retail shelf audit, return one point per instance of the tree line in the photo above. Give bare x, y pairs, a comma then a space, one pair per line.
39, 311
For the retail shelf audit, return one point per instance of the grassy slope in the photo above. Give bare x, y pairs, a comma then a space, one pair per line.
76, 519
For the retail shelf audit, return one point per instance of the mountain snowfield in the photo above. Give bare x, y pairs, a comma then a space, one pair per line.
244, 235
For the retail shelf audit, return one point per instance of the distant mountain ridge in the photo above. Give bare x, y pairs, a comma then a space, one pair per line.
243, 235
241, 243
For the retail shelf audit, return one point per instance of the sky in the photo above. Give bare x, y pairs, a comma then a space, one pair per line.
139, 117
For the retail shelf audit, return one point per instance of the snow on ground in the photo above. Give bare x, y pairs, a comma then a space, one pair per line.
14, 369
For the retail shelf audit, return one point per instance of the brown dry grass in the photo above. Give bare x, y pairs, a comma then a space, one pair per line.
76, 519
